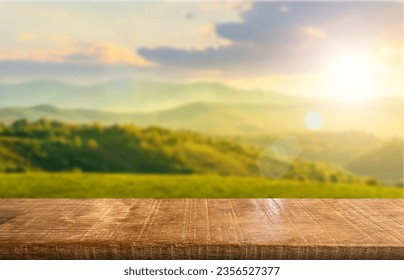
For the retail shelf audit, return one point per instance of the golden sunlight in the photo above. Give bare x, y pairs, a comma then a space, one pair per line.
350, 77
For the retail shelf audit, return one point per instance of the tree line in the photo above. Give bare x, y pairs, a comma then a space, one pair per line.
47, 145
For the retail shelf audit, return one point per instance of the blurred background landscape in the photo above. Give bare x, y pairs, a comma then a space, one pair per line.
217, 99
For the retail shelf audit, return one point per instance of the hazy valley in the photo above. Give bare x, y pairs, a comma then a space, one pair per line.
361, 138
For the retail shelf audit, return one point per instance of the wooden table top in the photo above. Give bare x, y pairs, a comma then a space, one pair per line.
201, 229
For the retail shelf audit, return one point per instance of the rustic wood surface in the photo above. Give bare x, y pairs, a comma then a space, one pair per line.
201, 229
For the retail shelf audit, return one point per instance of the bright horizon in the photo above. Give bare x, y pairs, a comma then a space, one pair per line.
293, 48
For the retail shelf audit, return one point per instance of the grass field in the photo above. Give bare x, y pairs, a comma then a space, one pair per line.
91, 185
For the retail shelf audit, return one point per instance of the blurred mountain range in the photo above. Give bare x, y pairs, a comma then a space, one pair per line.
205, 107
130, 95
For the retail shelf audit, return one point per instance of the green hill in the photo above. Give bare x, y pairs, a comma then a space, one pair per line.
358, 152
336, 147
53, 146
385, 162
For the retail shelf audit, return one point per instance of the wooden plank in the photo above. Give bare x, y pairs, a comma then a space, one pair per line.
201, 229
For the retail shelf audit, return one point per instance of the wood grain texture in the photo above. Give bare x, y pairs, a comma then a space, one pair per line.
201, 229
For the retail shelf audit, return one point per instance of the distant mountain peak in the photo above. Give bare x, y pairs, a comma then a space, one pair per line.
45, 108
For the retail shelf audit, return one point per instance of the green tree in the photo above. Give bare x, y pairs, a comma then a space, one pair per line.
19, 124
77, 142
92, 144
372, 182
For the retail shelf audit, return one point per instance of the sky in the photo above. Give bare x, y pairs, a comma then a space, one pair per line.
296, 48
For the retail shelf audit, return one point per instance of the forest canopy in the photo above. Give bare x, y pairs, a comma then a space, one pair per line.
47, 145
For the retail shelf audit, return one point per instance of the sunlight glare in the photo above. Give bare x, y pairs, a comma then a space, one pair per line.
350, 78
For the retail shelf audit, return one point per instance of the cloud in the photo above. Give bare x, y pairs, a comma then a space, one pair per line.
105, 53
26, 36
39, 55
208, 30
229, 5
210, 38
195, 59
68, 51
239, 5
314, 32
271, 41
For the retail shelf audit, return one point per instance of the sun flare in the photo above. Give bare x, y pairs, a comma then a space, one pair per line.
350, 78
